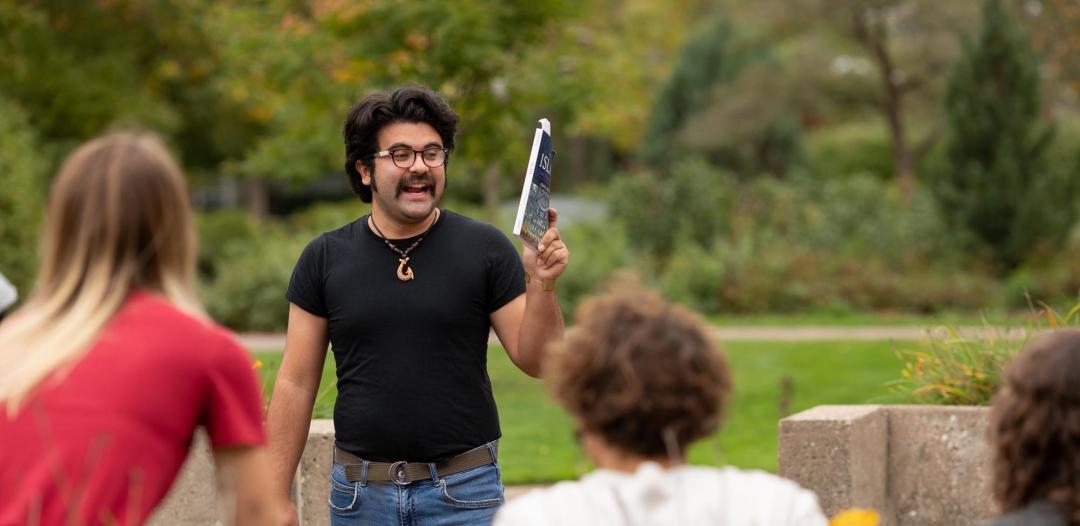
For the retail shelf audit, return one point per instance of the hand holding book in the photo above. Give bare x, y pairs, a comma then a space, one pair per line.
545, 253
548, 261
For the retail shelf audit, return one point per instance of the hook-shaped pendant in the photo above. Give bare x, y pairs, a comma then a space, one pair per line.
404, 273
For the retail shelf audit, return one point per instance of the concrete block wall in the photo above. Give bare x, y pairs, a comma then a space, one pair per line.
916, 465
193, 498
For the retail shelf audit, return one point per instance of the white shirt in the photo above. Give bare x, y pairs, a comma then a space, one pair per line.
689, 495
8, 295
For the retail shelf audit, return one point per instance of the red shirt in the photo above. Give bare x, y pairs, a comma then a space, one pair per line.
105, 440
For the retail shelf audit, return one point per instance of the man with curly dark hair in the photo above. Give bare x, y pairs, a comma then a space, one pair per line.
643, 381
406, 296
1035, 434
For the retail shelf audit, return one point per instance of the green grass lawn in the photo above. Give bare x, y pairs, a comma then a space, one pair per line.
538, 445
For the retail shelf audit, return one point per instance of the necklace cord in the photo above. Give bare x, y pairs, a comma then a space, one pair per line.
392, 246
404, 273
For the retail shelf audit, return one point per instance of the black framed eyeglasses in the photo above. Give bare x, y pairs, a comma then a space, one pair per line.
433, 156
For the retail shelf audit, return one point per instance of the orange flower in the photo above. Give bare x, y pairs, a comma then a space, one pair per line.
856, 517
256, 365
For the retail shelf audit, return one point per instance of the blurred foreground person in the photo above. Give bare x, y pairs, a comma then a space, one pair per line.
111, 364
1035, 434
643, 381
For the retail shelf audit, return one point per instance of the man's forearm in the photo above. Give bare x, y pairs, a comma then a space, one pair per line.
287, 425
541, 324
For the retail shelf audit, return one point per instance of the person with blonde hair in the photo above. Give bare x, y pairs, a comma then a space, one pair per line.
642, 381
1035, 434
110, 365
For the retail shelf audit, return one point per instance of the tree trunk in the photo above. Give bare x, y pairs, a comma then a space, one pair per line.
872, 31
903, 160
257, 199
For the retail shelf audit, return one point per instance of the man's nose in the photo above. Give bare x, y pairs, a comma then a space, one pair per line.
418, 165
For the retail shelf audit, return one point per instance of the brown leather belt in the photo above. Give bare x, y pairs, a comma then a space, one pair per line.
402, 472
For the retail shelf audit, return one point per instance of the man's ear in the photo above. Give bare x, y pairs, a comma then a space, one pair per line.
365, 175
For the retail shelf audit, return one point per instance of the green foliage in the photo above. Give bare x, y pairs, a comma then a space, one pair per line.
248, 288
23, 168
601, 67
964, 369
841, 244
863, 215
598, 251
725, 101
472, 53
852, 148
691, 204
707, 59
747, 125
1055, 276
222, 234
995, 181
56, 58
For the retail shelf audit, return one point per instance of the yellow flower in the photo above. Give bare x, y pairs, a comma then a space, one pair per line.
257, 365
856, 517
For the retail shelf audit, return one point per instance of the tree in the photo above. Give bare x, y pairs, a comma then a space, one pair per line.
472, 53
597, 73
707, 59
994, 181
838, 47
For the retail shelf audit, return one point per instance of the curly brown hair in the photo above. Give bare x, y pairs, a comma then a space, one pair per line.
1035, 426
640, 373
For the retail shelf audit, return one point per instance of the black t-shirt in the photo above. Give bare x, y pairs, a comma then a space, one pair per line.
411, 356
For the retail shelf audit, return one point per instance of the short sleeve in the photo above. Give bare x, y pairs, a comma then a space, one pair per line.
306, 288
506, 275
234, 408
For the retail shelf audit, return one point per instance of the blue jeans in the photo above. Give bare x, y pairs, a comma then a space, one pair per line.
469, 497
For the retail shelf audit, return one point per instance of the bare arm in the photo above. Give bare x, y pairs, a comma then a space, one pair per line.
295, 388
529, 322
244, 481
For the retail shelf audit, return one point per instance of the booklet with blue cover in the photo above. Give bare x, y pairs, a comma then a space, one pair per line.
532, 216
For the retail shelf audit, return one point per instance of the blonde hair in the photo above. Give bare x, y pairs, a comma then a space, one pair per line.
118, 219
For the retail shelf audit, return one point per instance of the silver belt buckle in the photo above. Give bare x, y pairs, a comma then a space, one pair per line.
397, 473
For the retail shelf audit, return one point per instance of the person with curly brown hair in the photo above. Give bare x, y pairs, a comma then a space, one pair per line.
643, 381
1035, 435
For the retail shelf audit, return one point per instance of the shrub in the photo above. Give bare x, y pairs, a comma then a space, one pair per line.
597, 251
854, 148
864, 216
247, 291
961, 369
691, 203
221, 234
1056, 278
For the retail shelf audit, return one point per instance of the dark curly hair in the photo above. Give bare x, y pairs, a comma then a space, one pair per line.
640, 373
373, 112
1035, 426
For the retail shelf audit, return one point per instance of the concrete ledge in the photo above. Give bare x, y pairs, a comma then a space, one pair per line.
917, 465
836, 450
193, 498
